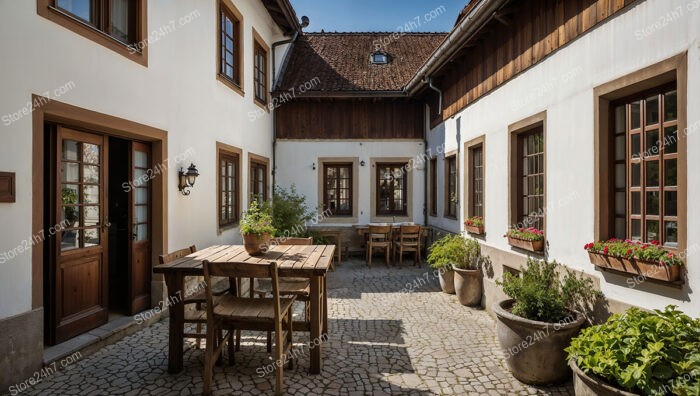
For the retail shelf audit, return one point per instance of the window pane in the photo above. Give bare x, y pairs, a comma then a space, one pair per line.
121, 19
670, 107
652, 173
652, 230
142, 232
70, 150
652, 110
670, 143
636, 203
70, 216
620, 121
91, 237
671, 233
80, 8
636, 147
140, 159
91, 174
652, 142
670, 203
70, 172
91, 194
620, 203
620, 228
652, 203
141, 214
620, 181
141, 196
636, 229
670, 172
91, 216
620, 148
636, 174
635, 116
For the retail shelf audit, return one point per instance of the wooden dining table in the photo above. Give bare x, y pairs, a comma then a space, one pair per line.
312, 262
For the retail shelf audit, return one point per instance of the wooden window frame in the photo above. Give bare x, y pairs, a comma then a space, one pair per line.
338, 165
8, 181
133, 51
404, 176
451, 158
433, 187
226, 8
224, 151
469, 191
260, 47
256, 161
515, 193
656, 76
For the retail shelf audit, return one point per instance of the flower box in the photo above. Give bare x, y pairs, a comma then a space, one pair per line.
612, 262
649, 260
474, 229
653, 270
533, 246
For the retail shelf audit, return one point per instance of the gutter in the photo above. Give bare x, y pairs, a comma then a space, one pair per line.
470, 25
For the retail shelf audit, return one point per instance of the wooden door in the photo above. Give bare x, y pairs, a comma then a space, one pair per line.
140, 225
80, 266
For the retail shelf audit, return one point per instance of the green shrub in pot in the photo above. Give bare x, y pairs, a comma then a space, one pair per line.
449, 252
650, 353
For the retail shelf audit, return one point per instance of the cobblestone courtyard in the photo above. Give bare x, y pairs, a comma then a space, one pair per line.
381, 341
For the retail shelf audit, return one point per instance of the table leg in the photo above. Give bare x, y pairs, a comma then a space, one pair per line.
316, 323
177, 321
340, 250
325, 306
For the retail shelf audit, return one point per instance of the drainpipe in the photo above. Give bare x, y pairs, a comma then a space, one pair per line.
275, 81
432, 86
429, 80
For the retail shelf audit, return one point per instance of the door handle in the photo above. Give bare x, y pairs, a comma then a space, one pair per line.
106, 224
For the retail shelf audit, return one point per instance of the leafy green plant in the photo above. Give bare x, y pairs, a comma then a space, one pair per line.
634, 249
257, 220
542, 294
454, 250
526, 234
289, 210
651, 353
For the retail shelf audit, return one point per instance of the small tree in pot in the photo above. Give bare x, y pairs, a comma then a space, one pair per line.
545, 311
446, 253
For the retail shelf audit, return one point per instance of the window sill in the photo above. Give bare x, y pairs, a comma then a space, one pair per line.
223, 228
230, 84
69, 22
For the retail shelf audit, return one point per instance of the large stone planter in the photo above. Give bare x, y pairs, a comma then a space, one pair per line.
585, 385
447, 283
535, 350
468, 286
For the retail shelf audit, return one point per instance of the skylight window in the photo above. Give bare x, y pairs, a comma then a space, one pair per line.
379, 58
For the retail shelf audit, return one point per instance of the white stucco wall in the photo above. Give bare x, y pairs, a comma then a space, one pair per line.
295, 161
177, 92
616, 48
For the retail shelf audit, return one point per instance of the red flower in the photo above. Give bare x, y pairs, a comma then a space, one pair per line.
663, 264
629, 251
605, 251
655, 242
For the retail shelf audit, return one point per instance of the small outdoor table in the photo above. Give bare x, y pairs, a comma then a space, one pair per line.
298, 261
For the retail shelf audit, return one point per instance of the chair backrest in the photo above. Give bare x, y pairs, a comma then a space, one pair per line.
240, 270
410, 232
379, 232
296, 241
170, 257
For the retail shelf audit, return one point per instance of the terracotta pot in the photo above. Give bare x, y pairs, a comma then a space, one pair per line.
474, 230
533, 246
654, 270
255, 244
535, 350
447, 283
468, 286
589, 385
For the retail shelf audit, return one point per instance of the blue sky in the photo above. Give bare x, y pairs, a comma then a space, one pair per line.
379, 15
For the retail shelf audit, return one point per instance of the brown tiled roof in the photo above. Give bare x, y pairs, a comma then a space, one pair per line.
341, 61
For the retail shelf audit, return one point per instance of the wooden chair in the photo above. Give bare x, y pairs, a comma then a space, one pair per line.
198, 315
231, 313
298, 287
379, 237
408, 241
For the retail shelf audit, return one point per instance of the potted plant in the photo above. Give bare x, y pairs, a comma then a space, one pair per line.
529, 238
474, 225
467, 275
444, 254
638, 352
544, 312
646, 259
256, 228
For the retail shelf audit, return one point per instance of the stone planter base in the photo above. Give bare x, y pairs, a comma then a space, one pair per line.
535, 350
585, 385
447, 283
533, 246
468, 286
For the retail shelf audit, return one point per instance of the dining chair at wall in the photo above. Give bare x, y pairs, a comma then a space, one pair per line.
231, 313
378, 238
408, 240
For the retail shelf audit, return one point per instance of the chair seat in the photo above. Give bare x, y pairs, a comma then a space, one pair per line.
380, 244
288, 286
193, 316
231, 307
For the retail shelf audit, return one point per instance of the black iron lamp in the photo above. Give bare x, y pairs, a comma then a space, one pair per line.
187, 179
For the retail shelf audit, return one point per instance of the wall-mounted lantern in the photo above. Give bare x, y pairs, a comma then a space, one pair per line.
187, 179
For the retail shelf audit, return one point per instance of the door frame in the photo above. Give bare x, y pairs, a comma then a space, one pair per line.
101, 124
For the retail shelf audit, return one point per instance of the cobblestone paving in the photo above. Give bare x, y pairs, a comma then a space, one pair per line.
382, 341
